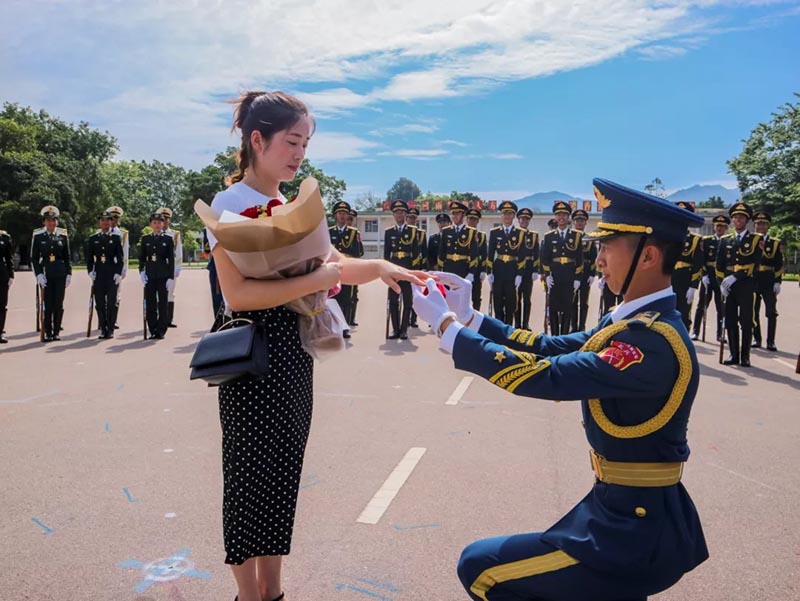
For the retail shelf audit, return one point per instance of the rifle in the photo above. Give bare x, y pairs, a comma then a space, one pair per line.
144, 311
91, 312
724, 333
40, 313
546, 327
797, 369
491, 300
704, 298
38, 308
388, 317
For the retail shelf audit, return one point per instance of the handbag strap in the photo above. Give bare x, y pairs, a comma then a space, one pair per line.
232, 321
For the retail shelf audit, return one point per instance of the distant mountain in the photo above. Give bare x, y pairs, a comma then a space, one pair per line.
699, 193
542, 202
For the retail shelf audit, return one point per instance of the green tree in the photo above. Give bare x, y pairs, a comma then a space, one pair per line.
466, 197
768, 168
713, 202
403, 189
656, 188
332, 188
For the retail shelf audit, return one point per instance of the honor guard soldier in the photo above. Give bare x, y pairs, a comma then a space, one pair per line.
351, 222
434, 240
51, 263
503, 263
580, 306
710, 285
6, 279
421, 258
120, 231
738, 260
637, 530
104, 260
347, 241
458, 245
768, 281
529, 270
400, 248
479, 271
688, 270
178, 245
157, 270
561, 255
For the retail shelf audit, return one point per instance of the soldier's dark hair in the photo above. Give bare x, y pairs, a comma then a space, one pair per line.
670, 250
268, 113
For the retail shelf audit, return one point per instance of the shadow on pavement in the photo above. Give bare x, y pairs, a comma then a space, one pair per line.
121, 348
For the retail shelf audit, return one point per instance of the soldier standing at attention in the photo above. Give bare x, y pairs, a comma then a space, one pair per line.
580, 306
529, 270
178, 245
688, 270
562, 263
346, 240
51, 263
420, 260
157, 270
479, 271
6, 279
458, 246
710, 288
442, 221
120, 231
737, 263
768, 281
104, 260
351, 222
503, 262
400, 248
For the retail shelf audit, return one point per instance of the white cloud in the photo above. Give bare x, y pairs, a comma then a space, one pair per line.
451, 143
410, 153
338, 146
407, 128
506, 156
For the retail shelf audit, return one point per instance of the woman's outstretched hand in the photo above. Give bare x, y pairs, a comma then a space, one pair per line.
391, 274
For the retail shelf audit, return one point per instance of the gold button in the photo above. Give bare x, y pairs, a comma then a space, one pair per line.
641, 512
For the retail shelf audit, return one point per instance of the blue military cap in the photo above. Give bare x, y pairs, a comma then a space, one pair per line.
525, 212
628, 211
341, 206
399, 205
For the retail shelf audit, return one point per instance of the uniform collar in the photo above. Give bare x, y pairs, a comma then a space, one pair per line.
626, 309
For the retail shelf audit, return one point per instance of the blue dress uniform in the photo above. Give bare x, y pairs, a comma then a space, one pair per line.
458, 246
6, 276
580, 306
562, 257
503, 263
157, 261
637, 531
104, 257
528, 265
711, 290
50, 256
769, 273
347, 241
688, 269
400, 248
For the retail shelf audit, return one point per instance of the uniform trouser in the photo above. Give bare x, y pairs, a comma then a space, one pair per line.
706, 294
155, 294
522, 315
355, 306
54, 304
580, 307
771, 311
398, 326
522, 567
105, 298
739, 312
505, 299
345, 300
561, 296
3, 301
113, 309
477, 292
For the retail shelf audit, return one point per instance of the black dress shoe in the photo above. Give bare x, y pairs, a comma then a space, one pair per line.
346, 334
172, 325
56, 337
102, 336
414, 325
159, 336
3, 340
756, 344
403, 336
394, 336
116, 326
745, 362
731, 361
152, 337
694, 336
354, 324
771, 347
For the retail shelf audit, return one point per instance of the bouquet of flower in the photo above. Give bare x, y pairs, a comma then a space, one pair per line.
282, 241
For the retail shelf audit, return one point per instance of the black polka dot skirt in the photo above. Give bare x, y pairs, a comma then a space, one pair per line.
265, 425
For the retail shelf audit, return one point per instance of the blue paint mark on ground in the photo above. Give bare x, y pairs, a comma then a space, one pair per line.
378, 584
166, 569
130, 496
108, 427
310, 483
363, 591
48, 531
421, 526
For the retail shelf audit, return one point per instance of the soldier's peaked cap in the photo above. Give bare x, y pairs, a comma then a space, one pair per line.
443, 217
352, 213
456, 205
507, 205
399, 205
761, 216
685, 205
721, 219
341, 206
116, 211
50, 212
474, 213
560, 206
413, 211
165, 212
629, 211
157, 216
525, 212
580, 214
741, 208
106, 215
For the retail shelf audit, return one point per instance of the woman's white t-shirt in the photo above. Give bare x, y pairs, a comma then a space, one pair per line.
236, 199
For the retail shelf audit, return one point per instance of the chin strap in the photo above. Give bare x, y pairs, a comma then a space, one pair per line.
632, 270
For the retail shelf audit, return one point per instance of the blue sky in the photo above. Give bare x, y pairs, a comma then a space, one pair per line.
499, 98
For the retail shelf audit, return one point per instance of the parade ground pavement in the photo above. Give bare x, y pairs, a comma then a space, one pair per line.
111, 463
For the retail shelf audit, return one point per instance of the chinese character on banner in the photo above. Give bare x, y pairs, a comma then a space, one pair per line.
412, 204
437, 206
492, 205
426, 206
479, 205
573, 204
385, 205
587, 206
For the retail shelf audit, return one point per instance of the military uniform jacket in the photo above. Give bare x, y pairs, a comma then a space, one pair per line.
177, 245
529, 255
637, 379
6, 262
770, 271
563, 259
104, 255
739, 259
483, 253
421, 258
689, 266
710, 249
506, 253
458, 250
50, 253
433, 250
346, 241
157, 256
589, 260
401, 246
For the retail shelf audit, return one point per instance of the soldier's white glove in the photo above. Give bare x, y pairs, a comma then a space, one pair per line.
601, 283
459, 295
690, 295
576, 284
726, 284
92, 275
124, 272
470, 277
69, 280
550, 281
170, 285
706, 281
490, 277
534, 277
10, 281
776, 288
590, 281
517, 281
431, 308
42, 279
483, 275
177, 272
117, 279
143, 275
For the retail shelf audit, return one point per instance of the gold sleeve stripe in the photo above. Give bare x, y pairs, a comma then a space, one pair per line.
509, 378
524, 568
525, 337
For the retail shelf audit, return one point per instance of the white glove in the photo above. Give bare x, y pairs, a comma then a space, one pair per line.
601, 283
590, 281
576, 284
470, 277
143, 275
42, 279
92, 275
776, 288
690, 295
69, 279
459, 295
534, 277
170, 285
550, 281
728, 282
117, 279
517, 281
706, 281
177, 271
10, 281
431, 308
490, 277
124, 272
483, 275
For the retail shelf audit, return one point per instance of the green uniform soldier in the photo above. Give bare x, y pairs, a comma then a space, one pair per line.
178, 247
580, 306
351, 222
561, 255
51, 262
768, 281
157, 270
503, 263
710, 285
479, 271
400, 247
6, 279
434, 241
529, 270
104, 260
347, 241
688, 270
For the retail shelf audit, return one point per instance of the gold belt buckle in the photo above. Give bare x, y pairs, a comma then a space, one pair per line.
597, 465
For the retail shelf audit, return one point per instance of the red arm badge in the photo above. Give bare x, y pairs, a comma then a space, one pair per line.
621, 355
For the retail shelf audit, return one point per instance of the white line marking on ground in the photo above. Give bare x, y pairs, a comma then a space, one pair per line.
388, 491
460, 390
30, 398
782, 362
743, 477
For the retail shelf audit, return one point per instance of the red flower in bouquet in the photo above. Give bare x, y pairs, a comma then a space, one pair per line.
257, 211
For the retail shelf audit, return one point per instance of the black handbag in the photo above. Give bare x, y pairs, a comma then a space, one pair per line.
231, 353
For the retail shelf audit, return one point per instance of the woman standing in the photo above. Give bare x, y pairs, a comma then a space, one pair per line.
265, 422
